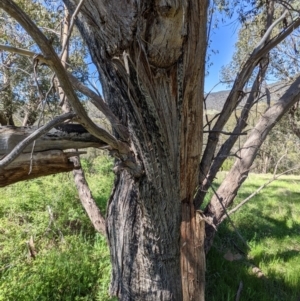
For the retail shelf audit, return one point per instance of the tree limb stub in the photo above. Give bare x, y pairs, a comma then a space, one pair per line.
41, 164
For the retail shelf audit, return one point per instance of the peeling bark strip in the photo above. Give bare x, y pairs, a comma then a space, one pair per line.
191, 140
192, 259
43, 164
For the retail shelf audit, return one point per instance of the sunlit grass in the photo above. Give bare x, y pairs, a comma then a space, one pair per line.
72, 261
270, 222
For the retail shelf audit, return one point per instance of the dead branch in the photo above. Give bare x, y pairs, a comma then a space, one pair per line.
239, 291
43, 164
36, 134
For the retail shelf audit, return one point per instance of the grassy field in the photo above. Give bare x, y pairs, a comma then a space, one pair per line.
270, 223
72, 261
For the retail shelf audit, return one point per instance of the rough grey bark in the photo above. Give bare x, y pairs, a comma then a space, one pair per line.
146, 54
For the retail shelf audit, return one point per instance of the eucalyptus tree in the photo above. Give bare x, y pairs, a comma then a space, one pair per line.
23, 83
150, 56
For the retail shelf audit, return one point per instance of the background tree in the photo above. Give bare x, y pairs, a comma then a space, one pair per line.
27, 86
151, 60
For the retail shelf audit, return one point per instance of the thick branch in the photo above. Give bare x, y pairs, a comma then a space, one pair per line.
241, 167
17, 150
62, 137
236, 94
86, 197
84, 192
239, 172
98, 102
41, 164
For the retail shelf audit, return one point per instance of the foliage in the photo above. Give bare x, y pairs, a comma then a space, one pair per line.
26, 87
72, 261
283, 59
281, 144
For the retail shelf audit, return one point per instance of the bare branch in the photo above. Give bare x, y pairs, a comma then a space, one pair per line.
11, 8
230, 220
95, 99
64, 136
25, 52
66, 40
226, 133
275, 177
268, 32
44, 163
239, 172
236, 94
98, 101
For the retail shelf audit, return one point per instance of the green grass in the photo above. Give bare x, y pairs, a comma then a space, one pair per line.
72, 261
270, 222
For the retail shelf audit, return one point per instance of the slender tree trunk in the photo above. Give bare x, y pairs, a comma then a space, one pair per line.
6, 97
84, 192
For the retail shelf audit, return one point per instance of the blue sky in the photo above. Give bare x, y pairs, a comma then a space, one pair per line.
223, 40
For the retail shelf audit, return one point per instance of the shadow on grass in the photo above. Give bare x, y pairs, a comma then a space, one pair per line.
223, 277
275, 249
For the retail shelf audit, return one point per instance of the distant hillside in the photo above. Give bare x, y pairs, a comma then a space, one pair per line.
215, 101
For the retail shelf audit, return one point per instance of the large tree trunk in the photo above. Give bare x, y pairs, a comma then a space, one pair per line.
150, 56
